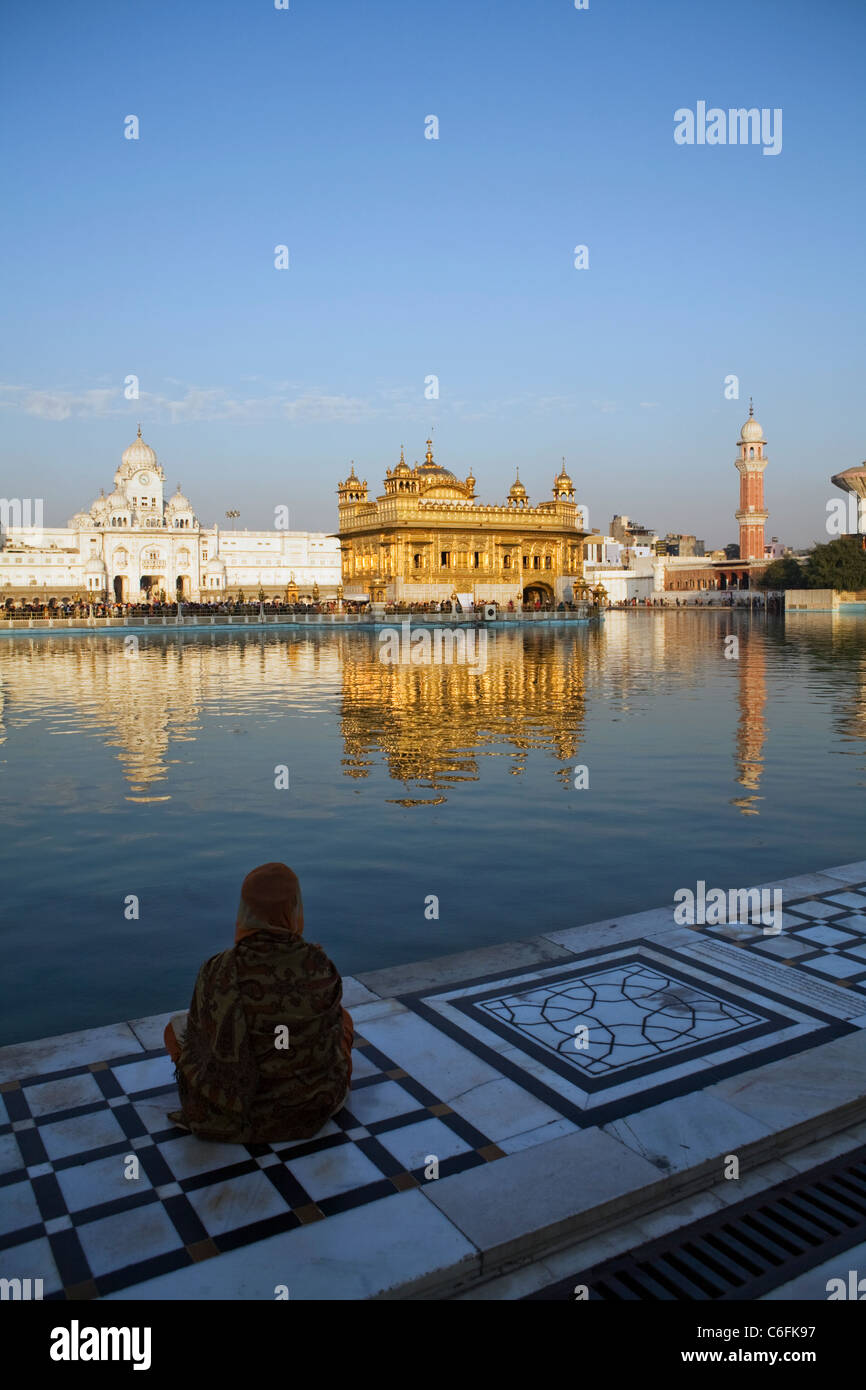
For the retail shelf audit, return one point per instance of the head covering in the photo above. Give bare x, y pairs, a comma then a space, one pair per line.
270, 900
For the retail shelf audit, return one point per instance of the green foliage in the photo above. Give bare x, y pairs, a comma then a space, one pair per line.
840, 564
784, 574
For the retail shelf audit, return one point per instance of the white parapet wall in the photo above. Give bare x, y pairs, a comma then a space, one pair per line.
811, 600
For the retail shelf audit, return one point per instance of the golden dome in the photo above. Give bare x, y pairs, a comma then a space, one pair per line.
431, 471
517, 489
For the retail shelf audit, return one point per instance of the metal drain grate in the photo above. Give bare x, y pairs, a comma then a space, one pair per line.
745, 1250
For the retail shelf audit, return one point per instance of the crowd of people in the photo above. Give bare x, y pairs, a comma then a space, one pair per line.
81, 608
77, 608
455, 606
769, 603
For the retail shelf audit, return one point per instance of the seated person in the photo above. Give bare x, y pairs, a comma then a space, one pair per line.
240, 1080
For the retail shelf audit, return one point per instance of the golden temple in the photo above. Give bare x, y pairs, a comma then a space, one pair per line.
427, 539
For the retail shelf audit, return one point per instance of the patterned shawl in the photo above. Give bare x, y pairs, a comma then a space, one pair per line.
235, 1083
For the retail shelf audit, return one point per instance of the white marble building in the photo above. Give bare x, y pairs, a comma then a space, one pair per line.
134, 545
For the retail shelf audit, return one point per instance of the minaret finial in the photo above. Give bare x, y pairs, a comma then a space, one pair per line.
139, 429
402, 459
751, 409
429, 458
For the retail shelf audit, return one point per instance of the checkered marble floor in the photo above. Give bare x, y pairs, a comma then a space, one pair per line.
823, 936
77, 1216
550, 1078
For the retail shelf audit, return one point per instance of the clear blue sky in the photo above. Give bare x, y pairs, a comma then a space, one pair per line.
412, 256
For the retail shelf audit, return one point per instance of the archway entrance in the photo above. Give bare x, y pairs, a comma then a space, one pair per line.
119, 586
537, 592
182, 586
150, 586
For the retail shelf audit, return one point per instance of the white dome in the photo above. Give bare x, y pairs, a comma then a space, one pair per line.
81, 521
117, 501
178, 502
100, 505
139, 454
752, 433
95, 565
216, 565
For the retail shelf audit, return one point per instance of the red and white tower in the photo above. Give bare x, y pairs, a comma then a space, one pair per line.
750, 464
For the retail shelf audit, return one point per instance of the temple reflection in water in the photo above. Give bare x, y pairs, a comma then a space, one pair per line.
428, 727
432, 724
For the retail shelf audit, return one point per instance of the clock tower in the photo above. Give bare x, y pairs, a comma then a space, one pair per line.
750, 464
141, 480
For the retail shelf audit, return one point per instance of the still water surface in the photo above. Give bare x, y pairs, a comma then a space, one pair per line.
155, 777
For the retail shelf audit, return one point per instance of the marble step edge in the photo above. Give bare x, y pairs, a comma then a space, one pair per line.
500, 1256
447, 1283
647, 1194
642, 1190
522, 1277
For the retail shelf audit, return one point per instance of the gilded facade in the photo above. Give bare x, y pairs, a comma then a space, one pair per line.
427, 538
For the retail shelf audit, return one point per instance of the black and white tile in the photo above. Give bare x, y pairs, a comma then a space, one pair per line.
823, 936
71, 1216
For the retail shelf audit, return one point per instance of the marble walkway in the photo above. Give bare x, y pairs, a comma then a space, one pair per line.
506, 1104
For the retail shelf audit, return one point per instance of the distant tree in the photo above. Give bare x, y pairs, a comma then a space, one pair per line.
732, 551
840, 564
784, 574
